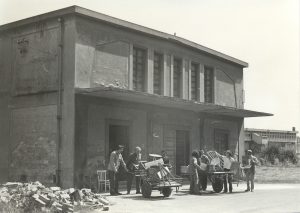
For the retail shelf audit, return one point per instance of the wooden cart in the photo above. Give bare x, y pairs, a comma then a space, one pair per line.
157, 176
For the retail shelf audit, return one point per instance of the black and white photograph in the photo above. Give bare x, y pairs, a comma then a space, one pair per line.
149, 106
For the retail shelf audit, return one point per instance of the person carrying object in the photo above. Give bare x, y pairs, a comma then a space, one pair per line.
250, 170
132, 165
203, 161
115, 161
227, 159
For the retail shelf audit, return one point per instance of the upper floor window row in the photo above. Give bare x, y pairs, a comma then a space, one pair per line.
139, 78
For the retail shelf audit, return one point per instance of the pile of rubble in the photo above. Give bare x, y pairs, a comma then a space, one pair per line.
35, 196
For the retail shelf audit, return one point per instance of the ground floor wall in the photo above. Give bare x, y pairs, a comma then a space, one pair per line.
28, 138
102, 123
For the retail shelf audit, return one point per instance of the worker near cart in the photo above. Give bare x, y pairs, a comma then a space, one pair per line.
132, 165
228, 159
165, 157
115, 161
250, 170
193, 168
203, 161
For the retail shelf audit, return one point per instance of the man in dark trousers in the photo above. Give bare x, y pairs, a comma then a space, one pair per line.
250, 170
203, 162
115, 161
132, 165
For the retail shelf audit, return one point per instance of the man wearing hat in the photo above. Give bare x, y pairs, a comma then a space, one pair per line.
115, 161
132, 165
250, 170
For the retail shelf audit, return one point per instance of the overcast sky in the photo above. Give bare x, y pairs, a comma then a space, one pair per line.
264, 33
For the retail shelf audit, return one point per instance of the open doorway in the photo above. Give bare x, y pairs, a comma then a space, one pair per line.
182, 149
118, 135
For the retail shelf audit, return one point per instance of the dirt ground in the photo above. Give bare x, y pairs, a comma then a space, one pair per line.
265, 198
277, 174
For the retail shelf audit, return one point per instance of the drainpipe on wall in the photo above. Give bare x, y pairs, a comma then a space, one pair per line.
59, 98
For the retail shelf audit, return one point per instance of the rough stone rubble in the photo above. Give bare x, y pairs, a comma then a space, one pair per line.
34, 196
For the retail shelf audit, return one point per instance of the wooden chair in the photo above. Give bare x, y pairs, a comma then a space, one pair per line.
102, 180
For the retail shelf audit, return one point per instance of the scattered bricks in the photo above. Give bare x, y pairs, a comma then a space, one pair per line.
55, 188
65, 196
76, 196
103, 201
40, 202
71, 190
68, 208
105, 208
12, 184
86, 191
45, 199
30, 196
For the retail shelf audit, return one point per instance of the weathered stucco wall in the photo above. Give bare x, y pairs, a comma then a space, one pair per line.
28, 73
33, 144
29, 93
102, 49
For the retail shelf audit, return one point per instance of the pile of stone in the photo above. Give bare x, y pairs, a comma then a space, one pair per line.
35, 196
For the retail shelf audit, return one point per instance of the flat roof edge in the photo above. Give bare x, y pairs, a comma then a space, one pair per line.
126, 24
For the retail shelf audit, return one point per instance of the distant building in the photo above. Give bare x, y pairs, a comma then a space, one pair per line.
259, 139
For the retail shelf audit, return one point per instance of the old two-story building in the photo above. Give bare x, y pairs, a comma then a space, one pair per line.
75, 83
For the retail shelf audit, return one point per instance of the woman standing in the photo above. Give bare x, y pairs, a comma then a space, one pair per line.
194, 178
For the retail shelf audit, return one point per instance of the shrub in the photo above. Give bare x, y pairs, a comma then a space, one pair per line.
270, 153
273, 152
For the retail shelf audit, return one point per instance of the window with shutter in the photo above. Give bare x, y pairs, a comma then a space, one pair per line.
177, 67
208, 84
194, 81
158, 73
139, 69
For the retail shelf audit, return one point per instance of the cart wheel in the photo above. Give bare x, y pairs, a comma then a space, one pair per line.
166, 191
146, 189
217, 184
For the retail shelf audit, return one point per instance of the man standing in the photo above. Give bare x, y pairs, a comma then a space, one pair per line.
203, 162
115, 161
165, 157
132, 165
228, 159
250, 170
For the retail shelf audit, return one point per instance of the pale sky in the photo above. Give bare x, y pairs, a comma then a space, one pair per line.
264, 33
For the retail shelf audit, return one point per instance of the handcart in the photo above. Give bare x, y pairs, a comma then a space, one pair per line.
216, 173
157, 176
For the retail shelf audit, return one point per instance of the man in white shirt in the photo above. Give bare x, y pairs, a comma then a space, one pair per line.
227, 159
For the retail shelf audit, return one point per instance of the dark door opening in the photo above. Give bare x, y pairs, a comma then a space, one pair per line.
119, 135
221, 141
182, 149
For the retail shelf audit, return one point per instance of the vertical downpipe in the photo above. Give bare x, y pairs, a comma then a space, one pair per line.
59, 98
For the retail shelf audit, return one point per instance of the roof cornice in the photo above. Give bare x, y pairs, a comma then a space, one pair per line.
124, 24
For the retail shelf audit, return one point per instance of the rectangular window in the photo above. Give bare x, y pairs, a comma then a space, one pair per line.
158, 73
177, 68
139, 69
194, 81
208, 84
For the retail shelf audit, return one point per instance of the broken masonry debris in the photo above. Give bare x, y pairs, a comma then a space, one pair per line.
35, 196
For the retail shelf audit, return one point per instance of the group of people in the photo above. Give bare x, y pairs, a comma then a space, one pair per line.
116, 161
198, 169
